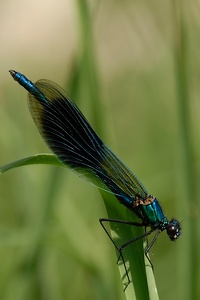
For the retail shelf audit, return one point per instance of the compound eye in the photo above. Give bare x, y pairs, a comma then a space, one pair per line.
174, 230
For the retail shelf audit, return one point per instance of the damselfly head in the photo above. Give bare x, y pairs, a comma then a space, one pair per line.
173, 229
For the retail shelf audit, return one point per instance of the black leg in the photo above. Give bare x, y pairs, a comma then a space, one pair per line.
150, 245
120, 249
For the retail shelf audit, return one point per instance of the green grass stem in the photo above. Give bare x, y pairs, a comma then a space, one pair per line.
189, 256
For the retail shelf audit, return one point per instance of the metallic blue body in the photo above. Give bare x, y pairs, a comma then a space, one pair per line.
151, 214
75, 143
29, 86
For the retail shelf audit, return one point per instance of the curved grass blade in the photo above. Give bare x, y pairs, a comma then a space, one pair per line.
49, 159
140, 286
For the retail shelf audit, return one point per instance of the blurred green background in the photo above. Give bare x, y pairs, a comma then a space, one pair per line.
133, 68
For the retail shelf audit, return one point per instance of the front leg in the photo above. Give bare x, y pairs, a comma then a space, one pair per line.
120, 249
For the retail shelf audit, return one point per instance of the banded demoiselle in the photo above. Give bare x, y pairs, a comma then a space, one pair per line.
69, 135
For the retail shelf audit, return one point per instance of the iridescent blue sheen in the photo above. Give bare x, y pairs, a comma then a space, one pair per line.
72, 139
